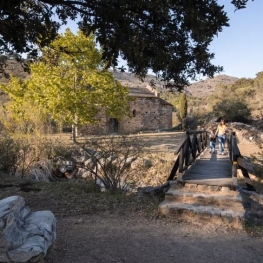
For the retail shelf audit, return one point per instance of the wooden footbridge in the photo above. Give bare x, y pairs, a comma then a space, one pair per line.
203, 185
195, 163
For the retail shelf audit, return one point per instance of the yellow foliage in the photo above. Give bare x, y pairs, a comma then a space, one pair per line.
68, 84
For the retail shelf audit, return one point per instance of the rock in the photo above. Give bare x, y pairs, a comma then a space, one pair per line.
90, 163
158, 191
87, 152
87, 174
71, 174
112, 158
83, 173
80, 158
24, 235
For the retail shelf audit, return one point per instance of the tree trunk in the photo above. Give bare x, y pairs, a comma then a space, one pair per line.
74, 132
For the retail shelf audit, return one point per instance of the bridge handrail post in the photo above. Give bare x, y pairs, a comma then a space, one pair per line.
181, 160
186, 153
234, 155
230, 146
187, 148
238, 163
194, 144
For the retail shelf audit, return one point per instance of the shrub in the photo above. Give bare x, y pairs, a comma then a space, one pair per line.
8, 154
29, 156
233, 110
114, 161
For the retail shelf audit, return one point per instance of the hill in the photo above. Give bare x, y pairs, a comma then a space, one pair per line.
201, 88
11, 67
204, 88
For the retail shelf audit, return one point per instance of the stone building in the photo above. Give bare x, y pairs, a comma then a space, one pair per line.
148, 112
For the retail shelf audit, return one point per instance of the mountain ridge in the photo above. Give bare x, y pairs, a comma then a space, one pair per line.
201, 88
205, 87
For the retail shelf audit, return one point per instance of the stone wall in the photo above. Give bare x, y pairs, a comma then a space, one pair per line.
99, 128
146, 114
166, 117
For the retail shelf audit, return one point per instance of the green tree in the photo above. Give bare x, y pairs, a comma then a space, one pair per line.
70, 86
233, 109
170, 37
183, 109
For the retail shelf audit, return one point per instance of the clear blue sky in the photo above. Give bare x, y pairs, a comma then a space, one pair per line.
239, 47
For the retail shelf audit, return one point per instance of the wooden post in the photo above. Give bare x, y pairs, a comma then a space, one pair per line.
174, 170
234, 172
181, 160
187, 152
194, 144
242, 166
235, 154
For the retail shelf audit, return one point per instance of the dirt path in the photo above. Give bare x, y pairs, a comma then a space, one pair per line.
113, 238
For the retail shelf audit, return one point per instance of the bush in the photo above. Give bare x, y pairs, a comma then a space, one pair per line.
233, 110
29, 156
114, 161
8, 154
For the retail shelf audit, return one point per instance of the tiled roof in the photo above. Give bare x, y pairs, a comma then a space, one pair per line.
141, 92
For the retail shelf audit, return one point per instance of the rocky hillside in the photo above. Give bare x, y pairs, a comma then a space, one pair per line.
201, 88
130, 80
11, 67
204, 88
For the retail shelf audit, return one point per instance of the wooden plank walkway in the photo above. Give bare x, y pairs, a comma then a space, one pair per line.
210, 169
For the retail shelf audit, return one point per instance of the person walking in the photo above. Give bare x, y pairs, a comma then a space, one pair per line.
221, 135
212, 143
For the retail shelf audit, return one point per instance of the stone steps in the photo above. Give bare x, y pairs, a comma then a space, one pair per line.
202, 187
226, 201
204, 204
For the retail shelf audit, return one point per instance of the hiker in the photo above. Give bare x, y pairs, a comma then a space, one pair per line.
212, 143
221, 135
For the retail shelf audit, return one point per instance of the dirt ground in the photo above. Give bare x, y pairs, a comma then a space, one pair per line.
101, 228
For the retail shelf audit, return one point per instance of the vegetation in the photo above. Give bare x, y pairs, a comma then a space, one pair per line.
29, 156
114, 162
234, 110
183, 109
240, 101
170, 37
68, 87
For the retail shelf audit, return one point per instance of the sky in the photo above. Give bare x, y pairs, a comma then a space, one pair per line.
239, 47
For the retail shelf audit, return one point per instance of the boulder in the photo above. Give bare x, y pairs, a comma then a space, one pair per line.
24, 235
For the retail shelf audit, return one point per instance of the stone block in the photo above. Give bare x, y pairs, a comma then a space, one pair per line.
24, 235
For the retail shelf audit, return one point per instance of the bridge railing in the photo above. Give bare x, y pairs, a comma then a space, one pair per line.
237, 160
188, 150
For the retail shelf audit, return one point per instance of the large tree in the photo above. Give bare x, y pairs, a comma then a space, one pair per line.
71, 86
171, 37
